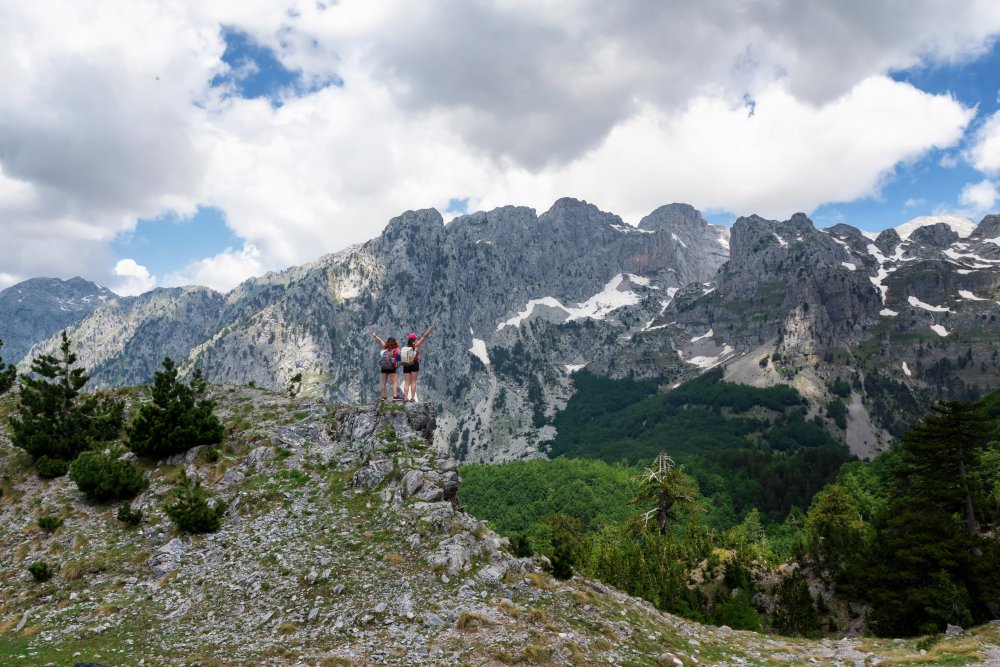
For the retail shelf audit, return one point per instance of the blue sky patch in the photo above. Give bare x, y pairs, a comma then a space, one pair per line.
256, 72
458, 206
168, 243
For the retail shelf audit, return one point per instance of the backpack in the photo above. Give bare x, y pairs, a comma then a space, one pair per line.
408, 355
387, 361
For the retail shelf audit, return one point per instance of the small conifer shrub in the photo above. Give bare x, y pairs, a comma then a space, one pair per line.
41, 571
103, 477
130, 517
562, 563
49, 468
177, 419
49, 523
7, 374
190, 510
520, 545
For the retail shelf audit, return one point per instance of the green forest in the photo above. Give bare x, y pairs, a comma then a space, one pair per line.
723, 503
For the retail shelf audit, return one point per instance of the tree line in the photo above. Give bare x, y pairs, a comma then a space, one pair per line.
907, 540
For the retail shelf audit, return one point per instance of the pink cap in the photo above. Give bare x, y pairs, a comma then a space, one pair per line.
412, 336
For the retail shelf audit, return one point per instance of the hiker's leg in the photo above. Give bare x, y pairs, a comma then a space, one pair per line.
395, 384
385, 377
407, 385
413, 385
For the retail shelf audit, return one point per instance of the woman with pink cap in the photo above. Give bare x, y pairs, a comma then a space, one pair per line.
410, 358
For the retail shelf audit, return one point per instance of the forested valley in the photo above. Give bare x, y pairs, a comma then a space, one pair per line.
725, 504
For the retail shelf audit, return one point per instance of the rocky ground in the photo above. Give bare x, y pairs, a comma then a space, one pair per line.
342, 545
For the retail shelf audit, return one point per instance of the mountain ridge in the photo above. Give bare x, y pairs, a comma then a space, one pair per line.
522, 300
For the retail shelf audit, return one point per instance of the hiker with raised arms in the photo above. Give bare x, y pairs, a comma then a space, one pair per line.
388, 360
410, 358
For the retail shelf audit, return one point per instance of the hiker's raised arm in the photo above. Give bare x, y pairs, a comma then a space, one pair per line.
380, 341
421, 341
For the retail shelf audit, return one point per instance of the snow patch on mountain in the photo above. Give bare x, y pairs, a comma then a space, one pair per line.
708, 362
917, 303
596, 307
939, 330
478, 349
961, 225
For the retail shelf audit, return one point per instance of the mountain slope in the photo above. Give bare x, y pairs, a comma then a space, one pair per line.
907, 322
340, 546
36, 309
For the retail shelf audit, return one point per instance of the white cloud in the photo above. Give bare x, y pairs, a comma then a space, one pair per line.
135, 278
979, 198
628, 105
221, 272
948, 161
914, 202
984, 154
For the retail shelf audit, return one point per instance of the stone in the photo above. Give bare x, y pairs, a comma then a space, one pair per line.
372, 474
669, 660
168, 557
953, 631
256, 459
433, 620
493, 575
413, 480
313, 613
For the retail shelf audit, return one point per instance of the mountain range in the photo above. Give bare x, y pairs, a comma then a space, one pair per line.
523, 301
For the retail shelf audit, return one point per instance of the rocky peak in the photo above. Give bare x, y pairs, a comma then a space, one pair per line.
672, 218
35, 309
939, 235
888, 241
988, 228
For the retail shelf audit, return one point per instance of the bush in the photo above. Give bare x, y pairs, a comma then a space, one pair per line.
41, 571
49, 468
130, 517
190, 510
562, 563
7, 374
49, 523
177, 419
103, 477
521, 546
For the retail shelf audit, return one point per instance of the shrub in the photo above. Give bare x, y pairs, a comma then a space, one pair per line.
130, 517
521, 547
102, 476
562, 563
8, 373
177, 419
49, 523
189, 508
49, 468
41, 571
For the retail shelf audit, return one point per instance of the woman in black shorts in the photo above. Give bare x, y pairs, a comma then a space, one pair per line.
412, 370
388, 361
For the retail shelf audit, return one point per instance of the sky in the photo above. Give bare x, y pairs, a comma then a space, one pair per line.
154, 144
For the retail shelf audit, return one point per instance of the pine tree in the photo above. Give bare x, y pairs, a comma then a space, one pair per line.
836, 532
53, 418
670, 488
930, 566
7, 375
177, 419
